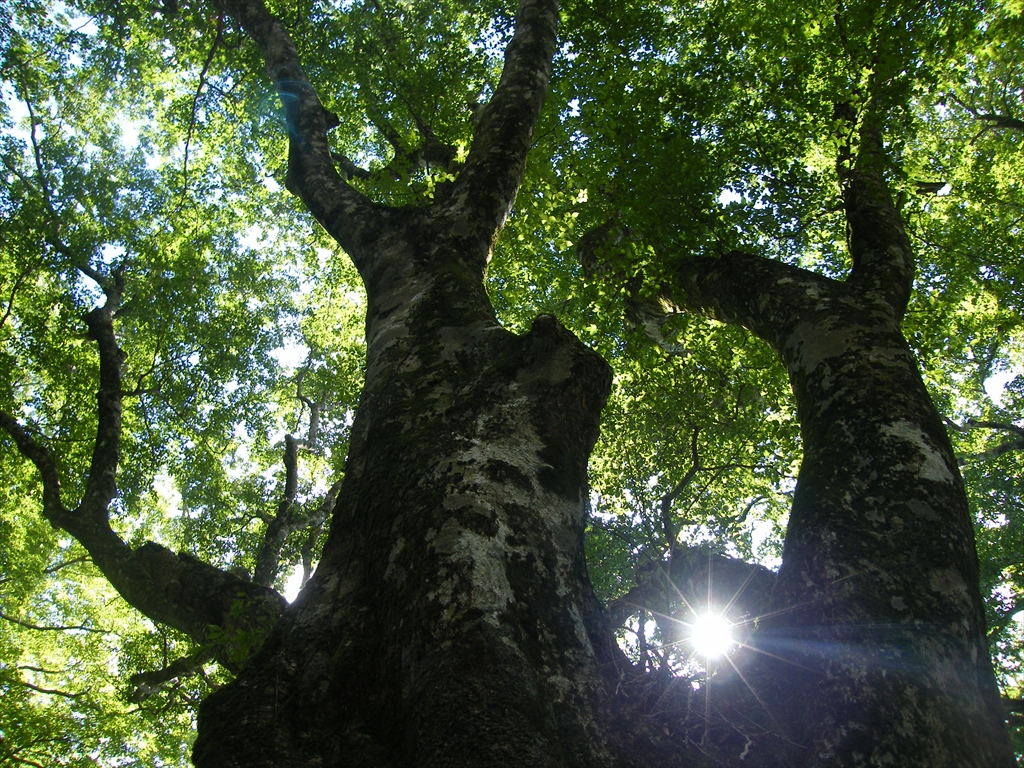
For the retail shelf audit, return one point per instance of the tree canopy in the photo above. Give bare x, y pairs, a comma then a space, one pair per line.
145, 194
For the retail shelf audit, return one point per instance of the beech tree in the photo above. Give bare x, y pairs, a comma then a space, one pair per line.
608, 317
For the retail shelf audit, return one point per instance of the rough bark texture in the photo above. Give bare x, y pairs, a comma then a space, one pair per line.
446, 624
450, 621
873, 649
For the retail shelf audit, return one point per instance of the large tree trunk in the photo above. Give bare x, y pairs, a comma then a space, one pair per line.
872, 650
447, 623
450, 621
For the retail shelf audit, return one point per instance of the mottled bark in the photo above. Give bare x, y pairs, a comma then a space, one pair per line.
873, 650
450, 621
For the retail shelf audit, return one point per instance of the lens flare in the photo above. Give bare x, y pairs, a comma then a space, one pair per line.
712, 635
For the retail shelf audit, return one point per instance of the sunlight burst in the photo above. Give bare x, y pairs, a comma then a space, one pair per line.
712, 635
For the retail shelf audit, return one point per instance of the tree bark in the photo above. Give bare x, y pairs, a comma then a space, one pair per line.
450, 621
873, 649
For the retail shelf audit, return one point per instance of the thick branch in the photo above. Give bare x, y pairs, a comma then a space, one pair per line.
696, 579
1002, 121
101, 486
342, 211
177, 590
53, 509
488, 184
883, 261
993, 120
148, 683
764, 296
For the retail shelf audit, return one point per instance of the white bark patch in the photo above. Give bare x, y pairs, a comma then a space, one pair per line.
809, 346
397, 308
897, 256
486, 556
932, 465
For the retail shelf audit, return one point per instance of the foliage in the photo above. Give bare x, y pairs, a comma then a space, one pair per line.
148, 140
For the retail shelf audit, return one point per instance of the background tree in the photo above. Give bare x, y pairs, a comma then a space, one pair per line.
144, 165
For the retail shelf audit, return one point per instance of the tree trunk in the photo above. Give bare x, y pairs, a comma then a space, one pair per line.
873, 648
450, 620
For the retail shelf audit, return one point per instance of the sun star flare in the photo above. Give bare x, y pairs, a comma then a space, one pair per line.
712, 635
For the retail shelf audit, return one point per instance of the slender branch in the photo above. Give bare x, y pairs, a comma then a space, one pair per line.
996, 451
18, 281
669, 498
999, 425
23, 760
53, 220
67, 563
287, 521
992, 453
48, 691
217, 39
53, 628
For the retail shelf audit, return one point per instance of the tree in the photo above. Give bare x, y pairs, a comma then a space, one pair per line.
451, 618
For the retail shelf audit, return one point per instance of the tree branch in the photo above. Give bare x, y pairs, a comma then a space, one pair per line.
488, 183
999, 425
995, 121
992, 453
149, 683
286, 521
1002, 121
53, 627
217, 39
48, 691
267, 561
177, 590
53, 509
345, 213
670, 498
883, 260
101, 486
695, 578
